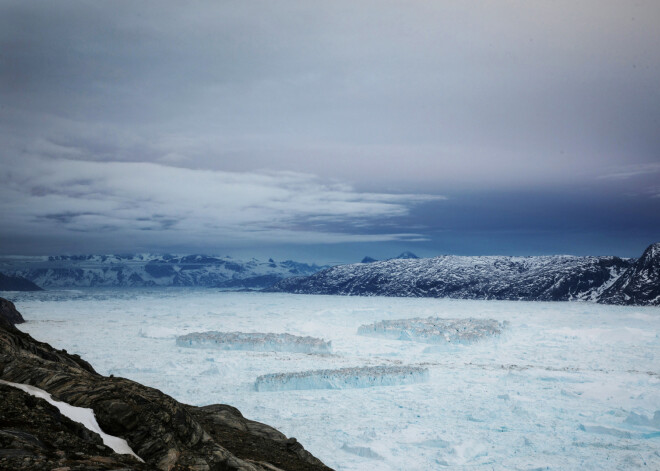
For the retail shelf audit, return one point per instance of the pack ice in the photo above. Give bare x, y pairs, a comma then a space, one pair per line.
343, 378
262, 342
434, 330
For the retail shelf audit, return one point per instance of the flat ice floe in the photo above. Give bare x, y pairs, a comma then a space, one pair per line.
261, 342
343, 378
434, 330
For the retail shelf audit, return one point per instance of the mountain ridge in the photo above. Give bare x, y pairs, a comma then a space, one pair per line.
534, 278
150, 270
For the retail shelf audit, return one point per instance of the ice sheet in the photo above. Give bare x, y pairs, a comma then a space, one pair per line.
538, 396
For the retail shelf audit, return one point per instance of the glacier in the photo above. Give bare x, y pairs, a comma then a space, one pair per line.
145, 269
435, 330
343, 378
563, 386
261, 342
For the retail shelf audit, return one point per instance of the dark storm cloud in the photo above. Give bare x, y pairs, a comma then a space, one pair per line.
375, 106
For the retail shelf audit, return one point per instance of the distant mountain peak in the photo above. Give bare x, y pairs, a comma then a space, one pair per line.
368, 259
407, 255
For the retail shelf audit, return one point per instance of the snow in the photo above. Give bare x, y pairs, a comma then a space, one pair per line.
434, 329
81, 415
343, 378
526, 399
261, 342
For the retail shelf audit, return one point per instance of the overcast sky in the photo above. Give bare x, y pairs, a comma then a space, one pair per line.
329, 130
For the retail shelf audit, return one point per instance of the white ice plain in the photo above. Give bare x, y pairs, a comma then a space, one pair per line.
566, 386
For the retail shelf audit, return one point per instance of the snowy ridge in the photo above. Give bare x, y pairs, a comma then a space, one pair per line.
543, 278
343, 378
262, 342
434, 330
144, 270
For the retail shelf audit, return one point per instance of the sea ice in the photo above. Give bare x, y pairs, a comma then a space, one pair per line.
562, 366
261, 342
434, 330
343, 378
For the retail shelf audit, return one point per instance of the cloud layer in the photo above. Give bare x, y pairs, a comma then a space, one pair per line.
174, 123
146, 202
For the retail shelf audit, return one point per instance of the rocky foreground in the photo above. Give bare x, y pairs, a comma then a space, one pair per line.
164, 433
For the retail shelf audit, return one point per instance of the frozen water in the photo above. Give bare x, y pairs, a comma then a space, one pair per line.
513, 402
434, 329
259, 342
343, 378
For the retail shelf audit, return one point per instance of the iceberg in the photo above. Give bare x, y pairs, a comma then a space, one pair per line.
343, 378
434, 330
261, 342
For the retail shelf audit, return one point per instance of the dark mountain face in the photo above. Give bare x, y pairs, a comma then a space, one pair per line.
8, 313
640, 284
166, 434
549, 278
16, 283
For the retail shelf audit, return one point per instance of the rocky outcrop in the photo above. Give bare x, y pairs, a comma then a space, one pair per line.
34, 435
16, 283
9, 314
166, 434
640, 284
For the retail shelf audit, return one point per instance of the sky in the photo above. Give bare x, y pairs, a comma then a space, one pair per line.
327, 131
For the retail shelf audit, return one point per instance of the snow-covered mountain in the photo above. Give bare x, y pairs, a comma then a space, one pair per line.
152, 270
640, 284
545, 278
611, 280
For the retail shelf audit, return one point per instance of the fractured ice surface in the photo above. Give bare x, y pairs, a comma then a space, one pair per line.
343, 378
261, 342
434, 330
562, 366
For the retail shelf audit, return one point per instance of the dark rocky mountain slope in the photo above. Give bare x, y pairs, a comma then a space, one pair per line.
16, 283
166, 434
640, 284
544, 278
